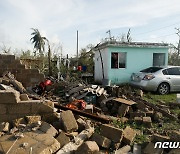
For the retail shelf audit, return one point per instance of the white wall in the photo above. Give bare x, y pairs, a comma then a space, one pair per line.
98, 67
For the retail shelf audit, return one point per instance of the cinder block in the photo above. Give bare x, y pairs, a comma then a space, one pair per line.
9, 96
111, 133
68, 120
123, 109
24, 97
63, 139
3, 57
3, 109
128, 135
20, 108
88, 147
101, 140
10, 117
41, 108
50, 117
48, 129
147, 121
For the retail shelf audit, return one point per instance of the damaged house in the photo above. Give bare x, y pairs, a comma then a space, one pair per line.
116, 61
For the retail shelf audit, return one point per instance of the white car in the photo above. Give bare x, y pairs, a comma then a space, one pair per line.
160, 79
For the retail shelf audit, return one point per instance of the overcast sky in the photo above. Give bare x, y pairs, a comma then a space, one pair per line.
58, 20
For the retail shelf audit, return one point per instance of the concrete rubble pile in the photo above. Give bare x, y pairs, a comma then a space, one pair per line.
34, 124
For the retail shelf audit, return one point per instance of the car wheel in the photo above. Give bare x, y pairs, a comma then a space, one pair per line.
163, 88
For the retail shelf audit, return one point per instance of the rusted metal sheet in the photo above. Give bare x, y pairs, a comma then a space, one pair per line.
88, 115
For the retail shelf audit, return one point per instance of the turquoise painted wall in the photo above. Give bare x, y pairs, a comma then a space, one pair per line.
137, 59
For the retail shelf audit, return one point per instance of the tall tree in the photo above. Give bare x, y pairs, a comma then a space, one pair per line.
39, 45
38, 41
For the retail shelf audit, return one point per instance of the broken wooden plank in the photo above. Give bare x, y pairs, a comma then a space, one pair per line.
88, 115
124, 101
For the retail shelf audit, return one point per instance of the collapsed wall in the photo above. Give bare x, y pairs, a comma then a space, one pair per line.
12, 107
28, 77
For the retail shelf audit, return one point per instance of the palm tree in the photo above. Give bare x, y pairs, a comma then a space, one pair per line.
39, 45
38, 41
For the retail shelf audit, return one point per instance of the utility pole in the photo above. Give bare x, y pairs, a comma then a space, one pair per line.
178, 47
77, 46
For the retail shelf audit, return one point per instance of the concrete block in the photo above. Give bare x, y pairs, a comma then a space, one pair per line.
63, 139
112, 133
69, 122
123, 150
123, 109
49, 103
81, 124
39, 107
3, 109
88, 147
50, 117
101, 140
9, 97
128, 135
48, 129
32, 119
138, 120
20, 108
10, 117
37, 142
147, 121
150, 114
4, 57
24, 97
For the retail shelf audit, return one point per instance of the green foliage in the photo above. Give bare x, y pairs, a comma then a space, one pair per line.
173, 59
26, 54
38, 41
86, 58
140, 138
154, 98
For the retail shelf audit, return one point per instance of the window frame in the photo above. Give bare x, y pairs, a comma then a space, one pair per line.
118, 53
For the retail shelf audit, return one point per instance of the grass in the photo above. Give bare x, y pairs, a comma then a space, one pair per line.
155, 98
167, 124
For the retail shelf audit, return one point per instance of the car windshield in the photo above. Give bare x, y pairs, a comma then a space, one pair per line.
151, 69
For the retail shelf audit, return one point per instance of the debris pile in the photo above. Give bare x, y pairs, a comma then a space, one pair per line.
80, 118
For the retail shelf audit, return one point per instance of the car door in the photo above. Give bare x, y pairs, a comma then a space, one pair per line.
173, 76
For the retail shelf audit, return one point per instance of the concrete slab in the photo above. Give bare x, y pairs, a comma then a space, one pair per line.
31, 142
